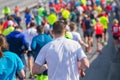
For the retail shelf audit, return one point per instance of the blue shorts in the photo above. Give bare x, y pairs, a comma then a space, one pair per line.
88, 33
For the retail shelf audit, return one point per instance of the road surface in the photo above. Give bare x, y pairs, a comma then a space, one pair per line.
22, 4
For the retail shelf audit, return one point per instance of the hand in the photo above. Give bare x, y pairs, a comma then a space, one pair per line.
86, 45
82, 73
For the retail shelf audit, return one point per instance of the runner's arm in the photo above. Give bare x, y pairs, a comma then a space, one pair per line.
37, 69
21, 73
84, 63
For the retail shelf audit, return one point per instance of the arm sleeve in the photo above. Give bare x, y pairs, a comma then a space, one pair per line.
40, 60
25, 43
80, 53
33, 44
79, 37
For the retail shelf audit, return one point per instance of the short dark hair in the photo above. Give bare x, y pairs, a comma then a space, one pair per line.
59, 27
40, 29
32, 24
18, 27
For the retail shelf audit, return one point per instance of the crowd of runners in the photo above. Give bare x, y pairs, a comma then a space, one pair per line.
91, 16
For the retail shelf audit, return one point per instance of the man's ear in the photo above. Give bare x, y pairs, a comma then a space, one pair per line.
65, 31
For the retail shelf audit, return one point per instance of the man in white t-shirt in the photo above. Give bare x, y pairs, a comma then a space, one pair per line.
64, 57
76, 35
29, 34
80, 9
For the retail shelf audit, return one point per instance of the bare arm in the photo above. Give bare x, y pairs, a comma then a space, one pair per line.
37, 69
21, 73
82, 65
83, 43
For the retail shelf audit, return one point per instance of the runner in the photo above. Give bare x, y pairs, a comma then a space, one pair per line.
18, 18
61, 59
9, 62
76, 35
38, 19
10, 28
29, 34
18, 44
116, 33
28, 17
17, 9
6, 11
88, 33
104, 20
99, 29
37, 43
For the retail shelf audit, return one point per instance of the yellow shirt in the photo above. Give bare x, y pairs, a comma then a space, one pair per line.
8, 30
104, 20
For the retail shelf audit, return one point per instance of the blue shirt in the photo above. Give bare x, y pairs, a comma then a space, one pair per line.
9, 64
38, 42
17, 42
28, 18
88, 24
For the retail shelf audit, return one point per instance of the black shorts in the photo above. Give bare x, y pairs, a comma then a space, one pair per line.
98, 35
105, 31
88, 33
30, 54
116, 37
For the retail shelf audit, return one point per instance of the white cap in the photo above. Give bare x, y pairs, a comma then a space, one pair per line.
10, 23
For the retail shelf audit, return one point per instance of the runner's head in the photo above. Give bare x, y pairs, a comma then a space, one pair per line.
40, 29
59, 28
72, 26
32, 24
19, 28
3, 45
115, 21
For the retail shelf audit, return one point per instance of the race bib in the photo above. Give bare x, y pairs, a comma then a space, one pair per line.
115, 29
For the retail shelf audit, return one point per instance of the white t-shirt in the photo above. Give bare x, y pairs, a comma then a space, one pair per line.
61, 55
80, 9
29, 34
76, 36
46, 27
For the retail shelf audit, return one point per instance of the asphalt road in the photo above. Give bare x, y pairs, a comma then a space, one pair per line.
100, 64
22, 4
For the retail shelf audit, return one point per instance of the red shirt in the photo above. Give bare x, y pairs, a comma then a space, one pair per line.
99, 28
5, 25
116, 30
109, 8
